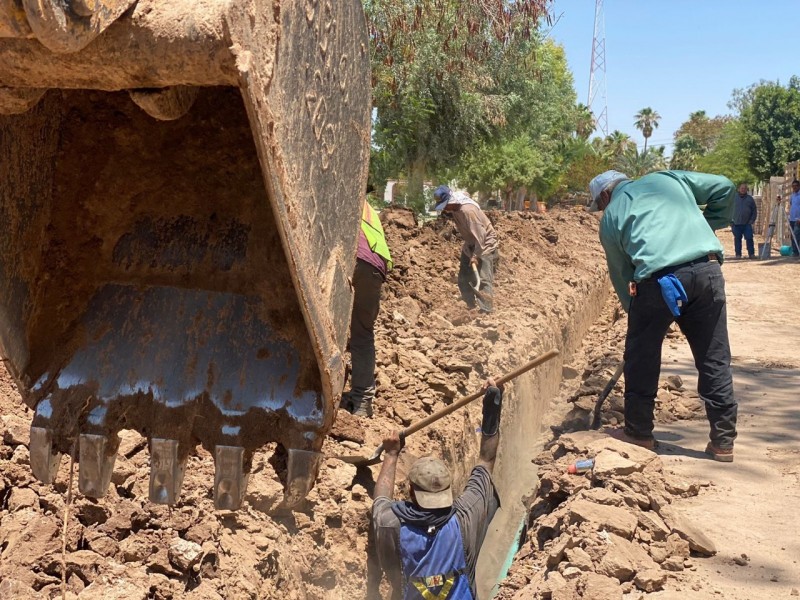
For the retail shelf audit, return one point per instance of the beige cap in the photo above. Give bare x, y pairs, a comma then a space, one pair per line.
430, 480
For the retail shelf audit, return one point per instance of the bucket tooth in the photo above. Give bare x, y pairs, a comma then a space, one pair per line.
302, 467
44, 462
166, 471
96, 465
230, 480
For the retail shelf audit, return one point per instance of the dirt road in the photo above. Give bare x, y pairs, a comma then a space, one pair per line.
749, 511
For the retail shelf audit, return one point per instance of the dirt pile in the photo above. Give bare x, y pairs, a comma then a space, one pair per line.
431, 350
674, 400
613, 531
607, 532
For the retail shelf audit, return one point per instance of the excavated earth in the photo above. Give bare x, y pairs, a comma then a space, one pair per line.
614, 529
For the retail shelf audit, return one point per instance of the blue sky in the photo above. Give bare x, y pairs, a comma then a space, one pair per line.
679, 56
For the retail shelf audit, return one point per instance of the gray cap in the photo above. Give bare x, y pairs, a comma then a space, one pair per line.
600, 183
430, 479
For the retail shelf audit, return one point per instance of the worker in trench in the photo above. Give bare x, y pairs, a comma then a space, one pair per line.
664, 261
481, 250
373, 262
428, 546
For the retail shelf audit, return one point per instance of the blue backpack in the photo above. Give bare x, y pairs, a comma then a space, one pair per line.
434, 566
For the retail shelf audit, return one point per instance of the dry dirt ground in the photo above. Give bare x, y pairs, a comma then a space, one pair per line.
640, 525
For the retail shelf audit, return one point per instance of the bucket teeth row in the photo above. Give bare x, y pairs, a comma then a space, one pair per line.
97, 455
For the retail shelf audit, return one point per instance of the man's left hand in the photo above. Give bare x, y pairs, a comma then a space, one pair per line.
393, 444
473, 261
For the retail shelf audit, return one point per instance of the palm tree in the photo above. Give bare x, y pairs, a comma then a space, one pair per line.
635, 164
646, 120
584, 121
617, 142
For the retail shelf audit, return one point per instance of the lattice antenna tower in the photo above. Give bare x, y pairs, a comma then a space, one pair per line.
598, 102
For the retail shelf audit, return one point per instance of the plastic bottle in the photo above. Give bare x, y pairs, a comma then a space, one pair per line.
581, 466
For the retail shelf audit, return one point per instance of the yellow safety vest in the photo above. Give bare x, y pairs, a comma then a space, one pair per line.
373, 231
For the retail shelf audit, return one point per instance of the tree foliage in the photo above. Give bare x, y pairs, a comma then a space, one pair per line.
770, 118
542, 121
729, 156
703, 130
635, 164
646, 120
433, 75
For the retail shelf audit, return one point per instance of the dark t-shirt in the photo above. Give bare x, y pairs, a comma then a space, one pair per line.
475, 508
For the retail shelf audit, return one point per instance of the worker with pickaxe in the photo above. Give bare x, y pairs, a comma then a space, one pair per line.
480, 253
428, 546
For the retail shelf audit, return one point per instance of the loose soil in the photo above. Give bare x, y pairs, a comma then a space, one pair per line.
641, 524
431, 349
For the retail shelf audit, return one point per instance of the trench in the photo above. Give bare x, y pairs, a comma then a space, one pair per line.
525, 406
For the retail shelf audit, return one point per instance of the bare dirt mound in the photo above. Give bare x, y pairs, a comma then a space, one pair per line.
430, 351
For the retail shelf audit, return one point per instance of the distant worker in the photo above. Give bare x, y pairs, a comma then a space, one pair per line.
428, 546
794, 216
373, 262
481, 249
745, 213
664, 261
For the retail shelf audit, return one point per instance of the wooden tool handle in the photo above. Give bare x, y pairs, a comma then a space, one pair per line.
414, 427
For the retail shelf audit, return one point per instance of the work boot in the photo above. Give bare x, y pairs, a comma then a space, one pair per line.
362, 408
358, 402
719, 454
620, 434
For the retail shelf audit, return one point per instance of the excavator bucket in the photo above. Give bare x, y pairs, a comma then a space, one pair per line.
180, 193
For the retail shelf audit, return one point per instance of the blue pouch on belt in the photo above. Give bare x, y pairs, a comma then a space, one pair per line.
673, 293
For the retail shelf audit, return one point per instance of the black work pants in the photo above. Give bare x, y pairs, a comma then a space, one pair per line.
704, 323
487, 265
367, 282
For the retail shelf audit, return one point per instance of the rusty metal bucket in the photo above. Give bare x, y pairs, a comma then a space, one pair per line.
180, 200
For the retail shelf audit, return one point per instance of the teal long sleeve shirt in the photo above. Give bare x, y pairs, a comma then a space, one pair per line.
663, 219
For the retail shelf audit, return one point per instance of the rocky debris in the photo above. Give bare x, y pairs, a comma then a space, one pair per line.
602, 517
650, 580
612, 532
430, 351
15, 430
184, 554
698, 541
22, 498
347, 427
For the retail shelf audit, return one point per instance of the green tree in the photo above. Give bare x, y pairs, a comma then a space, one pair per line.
617, 143
541, 123
703, 130
770, 117
635, 164
646, 120
729, 156
584, 162
584, 122
432, 64
685, 153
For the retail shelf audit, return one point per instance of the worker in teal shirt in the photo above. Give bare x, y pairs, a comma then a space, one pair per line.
664, 261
